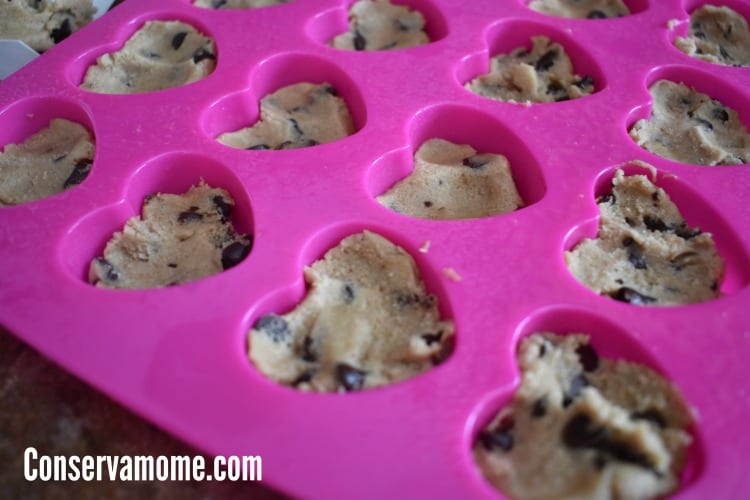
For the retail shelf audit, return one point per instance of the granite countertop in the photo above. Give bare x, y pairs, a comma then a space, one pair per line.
43, 406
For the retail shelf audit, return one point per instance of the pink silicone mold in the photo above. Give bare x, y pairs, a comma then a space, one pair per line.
177, 355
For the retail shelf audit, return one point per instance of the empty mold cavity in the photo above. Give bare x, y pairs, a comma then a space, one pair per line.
363, 328
505, 36
462, 126
242, 109
27, 117
703, 147
697, 211
594, 8
200, 63
172, 173
326, 25
608, 341
712, 39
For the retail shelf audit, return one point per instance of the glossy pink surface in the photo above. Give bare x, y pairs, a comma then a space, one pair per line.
177, 355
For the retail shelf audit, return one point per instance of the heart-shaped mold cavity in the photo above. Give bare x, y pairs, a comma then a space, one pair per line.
483, 133
324, 27
171, 173
715, 32
539, 80
699, 216
241, 109
150, 53
686, 123
372, 314
593, 9
606, 379
59, 152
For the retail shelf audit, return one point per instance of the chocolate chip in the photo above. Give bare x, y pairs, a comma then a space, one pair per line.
501, 437
58, 159
542, 350
581, 432
308, 354
274, 326
191, 215
596, 14
359, 41
431, 338
350, 378
651, 415
586, 81
80, 172
724, 52
588, 357
655, 196
539, 408
635, 253
705, 123
202, 54
259, 147
630, 222
555, 88
686, 232
607, 198
304, 377
218, 3
475, 162
446, 349
172, 265
428, 204
234, 253
61, 33
107, 269
295, 125
546, 61
348, 292
576, 386
700, 35
311, 142
625, 294
224, 208
655, 223
328, 89
178, 39
720, 114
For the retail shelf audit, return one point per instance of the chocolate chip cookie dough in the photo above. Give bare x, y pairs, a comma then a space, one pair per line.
179, 238
691, 127
544, 74
581, 9
238, 4
367, 321
49, 162
380, 25
160, 55
645, 252
43, 23
295, 116
717, 34
452, 181
581, 426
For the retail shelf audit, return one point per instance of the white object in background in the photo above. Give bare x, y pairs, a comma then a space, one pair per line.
15, 54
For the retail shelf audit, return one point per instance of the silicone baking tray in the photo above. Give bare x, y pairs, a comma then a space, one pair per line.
177, 355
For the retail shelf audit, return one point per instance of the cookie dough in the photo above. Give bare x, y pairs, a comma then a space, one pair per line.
43, 23
49, 162
581, 9
581, 426
367, 321
380, 25
160, 55
544, 74
690, 127
295, 116
179, 238
238, 4
452, 181
645, 252
717, 34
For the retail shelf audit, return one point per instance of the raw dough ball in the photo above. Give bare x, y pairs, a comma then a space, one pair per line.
238, 4
366, 321
645, 252
452, 181
581, 9
691, 127
718, 35
43, 23
584, 427
295, 116
180, 238
49, 162
160, 55
380, 25
543, 75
